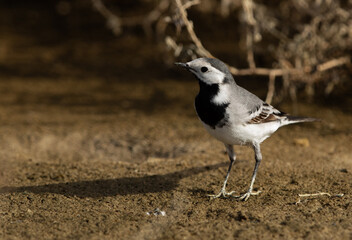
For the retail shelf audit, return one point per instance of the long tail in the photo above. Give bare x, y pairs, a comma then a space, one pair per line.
294, 119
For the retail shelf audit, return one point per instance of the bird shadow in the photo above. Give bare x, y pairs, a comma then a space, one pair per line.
112, 187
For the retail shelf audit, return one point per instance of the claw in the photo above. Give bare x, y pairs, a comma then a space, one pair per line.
244, 197
223, 194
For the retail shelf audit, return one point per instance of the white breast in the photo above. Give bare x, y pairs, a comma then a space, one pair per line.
243, 134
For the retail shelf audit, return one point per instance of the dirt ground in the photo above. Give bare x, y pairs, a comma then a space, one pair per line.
87, 151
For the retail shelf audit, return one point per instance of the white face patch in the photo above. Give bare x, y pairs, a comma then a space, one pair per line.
211, 76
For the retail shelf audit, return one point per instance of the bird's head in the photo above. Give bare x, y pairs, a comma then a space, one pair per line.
209, 70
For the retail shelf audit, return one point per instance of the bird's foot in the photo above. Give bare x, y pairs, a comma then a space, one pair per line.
244, 197
223, 194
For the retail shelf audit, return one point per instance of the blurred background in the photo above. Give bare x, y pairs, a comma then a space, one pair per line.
304, 47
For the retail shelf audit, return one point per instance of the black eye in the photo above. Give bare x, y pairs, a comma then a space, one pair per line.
204, 69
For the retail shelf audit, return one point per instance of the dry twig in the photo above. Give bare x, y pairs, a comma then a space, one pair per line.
113, 22
315, 48
116, 23
251, 31
271, 88
190, 30
316, 195
345, 60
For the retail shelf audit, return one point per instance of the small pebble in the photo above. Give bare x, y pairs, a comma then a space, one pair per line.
156, 212
302, 142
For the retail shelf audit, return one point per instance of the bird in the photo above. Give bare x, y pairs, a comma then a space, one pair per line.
233, 115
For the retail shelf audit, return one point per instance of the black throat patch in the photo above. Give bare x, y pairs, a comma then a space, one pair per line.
210, 113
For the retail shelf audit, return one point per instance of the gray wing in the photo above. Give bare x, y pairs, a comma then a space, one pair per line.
254, 110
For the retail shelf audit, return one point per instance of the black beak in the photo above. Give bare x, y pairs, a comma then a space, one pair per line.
184, 65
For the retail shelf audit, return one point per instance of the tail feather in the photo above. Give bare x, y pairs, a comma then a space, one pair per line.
294, 119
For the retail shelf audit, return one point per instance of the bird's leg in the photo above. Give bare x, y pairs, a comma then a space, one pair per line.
232, 157
258, 159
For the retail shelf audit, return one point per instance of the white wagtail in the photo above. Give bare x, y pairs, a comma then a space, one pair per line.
233, 115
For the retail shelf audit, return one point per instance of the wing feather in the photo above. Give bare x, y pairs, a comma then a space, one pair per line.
264, 113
